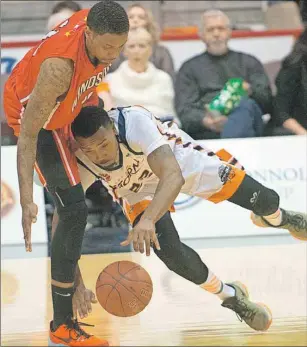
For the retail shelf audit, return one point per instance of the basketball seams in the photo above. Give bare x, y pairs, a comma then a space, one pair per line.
104, 271
138, 281
128, 279
119, 299
107, 298
128, 270
106, 284
132, 293
117, 277
119, 282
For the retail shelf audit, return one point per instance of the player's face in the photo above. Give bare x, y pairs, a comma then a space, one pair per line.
137, 17
105, 48
101, 148
216, 34
138, 48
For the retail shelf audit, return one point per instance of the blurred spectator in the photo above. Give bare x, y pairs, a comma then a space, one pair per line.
62, 11
137, 81
201, 79
291, 98
139, 16
7, 135
303, 10
103, 91
283, 15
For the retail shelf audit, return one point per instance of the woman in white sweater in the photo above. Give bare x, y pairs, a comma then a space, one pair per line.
137, 81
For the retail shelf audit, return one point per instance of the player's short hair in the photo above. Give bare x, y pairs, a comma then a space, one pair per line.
66, 5
108, 17
89, 120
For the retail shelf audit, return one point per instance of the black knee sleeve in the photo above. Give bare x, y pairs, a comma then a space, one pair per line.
177, 256
255, 197
67, 241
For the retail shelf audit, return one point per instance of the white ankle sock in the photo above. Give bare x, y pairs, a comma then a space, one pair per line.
215, 286
275, 218
227, 292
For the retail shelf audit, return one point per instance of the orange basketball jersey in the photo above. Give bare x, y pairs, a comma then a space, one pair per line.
67, 40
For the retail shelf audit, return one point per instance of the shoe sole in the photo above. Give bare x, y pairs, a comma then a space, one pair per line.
243, 287
269, 312
298, 237
260, 223
50, 343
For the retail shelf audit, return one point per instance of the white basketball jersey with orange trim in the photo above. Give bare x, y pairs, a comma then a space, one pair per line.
139, 134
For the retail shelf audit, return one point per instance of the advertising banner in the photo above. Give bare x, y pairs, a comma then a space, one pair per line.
277, 162
11, 228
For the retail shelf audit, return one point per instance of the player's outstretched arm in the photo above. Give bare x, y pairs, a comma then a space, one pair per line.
165, 166
53, 81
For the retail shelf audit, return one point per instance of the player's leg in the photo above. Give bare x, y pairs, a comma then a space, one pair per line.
58, 171
185, 262
218, 181
265, 206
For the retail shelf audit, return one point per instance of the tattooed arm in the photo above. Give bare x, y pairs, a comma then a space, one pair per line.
53, 81
165, 166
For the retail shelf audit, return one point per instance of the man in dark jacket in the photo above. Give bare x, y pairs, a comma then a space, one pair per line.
291, 97
201, 78
303, 10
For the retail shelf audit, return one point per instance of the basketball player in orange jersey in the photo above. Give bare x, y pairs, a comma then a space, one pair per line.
144, 164
43, 95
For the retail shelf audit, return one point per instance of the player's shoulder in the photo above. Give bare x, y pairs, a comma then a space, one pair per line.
133, 111
65, 38
80, 16
131, 116
138, 113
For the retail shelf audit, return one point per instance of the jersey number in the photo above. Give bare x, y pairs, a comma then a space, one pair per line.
136, 187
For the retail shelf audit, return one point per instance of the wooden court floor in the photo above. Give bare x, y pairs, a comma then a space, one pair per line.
180, 313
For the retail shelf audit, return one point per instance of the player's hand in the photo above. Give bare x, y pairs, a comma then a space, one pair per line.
143, 232
29, 216
82, 301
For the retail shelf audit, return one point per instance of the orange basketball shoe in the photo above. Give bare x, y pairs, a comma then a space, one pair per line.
70, 334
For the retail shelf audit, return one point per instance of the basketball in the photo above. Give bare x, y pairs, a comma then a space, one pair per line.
124, 288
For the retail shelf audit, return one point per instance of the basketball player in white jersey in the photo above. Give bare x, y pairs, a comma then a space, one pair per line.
145, 164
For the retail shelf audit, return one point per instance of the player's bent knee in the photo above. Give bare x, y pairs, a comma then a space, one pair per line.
267, 202
69, 196
72, 222
255, 197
